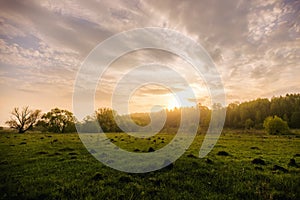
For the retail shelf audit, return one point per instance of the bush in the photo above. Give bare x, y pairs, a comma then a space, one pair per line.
276, 126
249, 123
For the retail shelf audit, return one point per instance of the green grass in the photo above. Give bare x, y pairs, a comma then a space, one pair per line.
57, 166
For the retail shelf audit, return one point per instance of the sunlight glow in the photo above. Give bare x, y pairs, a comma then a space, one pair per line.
172, 103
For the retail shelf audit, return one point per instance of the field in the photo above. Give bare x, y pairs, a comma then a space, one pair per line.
241, 166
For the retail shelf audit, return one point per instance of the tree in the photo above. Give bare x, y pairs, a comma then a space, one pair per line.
24, 119
295, 120
285, 107
41, 126
106, 120
89, 125
59, 121
249, 123
276, 126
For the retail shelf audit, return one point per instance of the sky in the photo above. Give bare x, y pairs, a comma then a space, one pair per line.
255, 46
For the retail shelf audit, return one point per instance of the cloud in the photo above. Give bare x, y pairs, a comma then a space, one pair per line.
254, 44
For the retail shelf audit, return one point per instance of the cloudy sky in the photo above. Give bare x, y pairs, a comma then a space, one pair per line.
255, 46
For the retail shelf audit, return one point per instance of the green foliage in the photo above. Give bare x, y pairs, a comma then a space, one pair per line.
23, 120
257, 110
276, 126
106, 120
249, 123
245, 115
295, 120
141, 119
58, 121
205, 115
89, 125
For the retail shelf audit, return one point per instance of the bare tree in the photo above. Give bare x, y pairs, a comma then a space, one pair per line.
24, 119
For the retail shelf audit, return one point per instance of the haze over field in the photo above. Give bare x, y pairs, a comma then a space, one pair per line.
254, 44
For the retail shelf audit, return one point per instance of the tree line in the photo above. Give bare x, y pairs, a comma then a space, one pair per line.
253, 114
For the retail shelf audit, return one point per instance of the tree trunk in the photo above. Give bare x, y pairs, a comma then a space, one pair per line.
21, 131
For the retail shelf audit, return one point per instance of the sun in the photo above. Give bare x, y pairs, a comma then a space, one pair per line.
172, 103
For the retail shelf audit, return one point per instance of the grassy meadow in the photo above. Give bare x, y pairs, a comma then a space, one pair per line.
243, 165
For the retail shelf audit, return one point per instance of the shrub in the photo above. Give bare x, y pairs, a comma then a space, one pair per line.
276, 126
249, 123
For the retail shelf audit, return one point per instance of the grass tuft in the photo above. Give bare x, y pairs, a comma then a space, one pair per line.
65, 169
